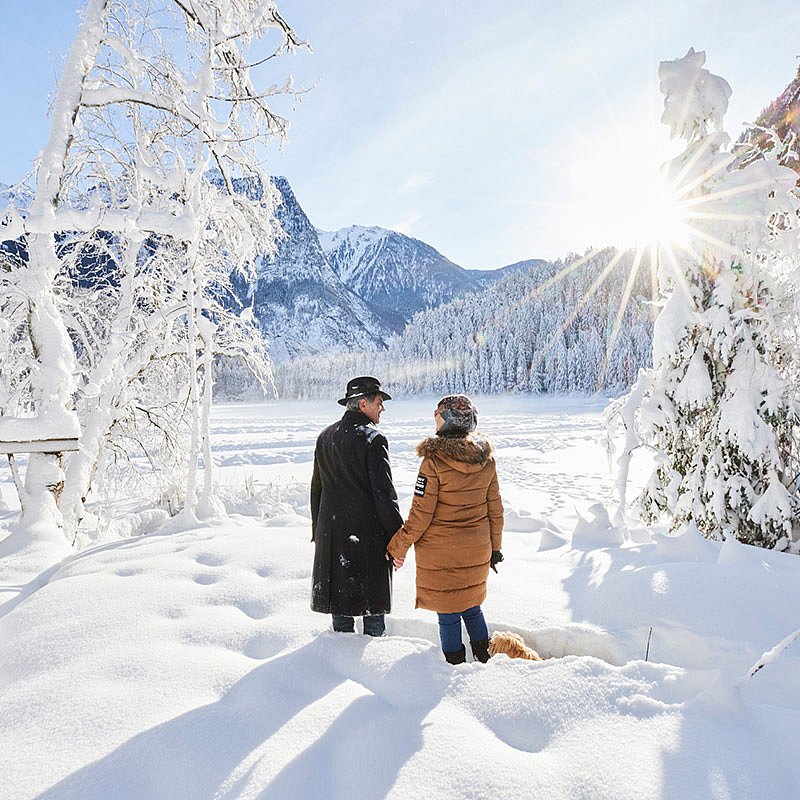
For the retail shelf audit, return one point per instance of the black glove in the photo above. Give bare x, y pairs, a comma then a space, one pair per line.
497, 557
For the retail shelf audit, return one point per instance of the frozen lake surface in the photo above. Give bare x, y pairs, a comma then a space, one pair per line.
550, 457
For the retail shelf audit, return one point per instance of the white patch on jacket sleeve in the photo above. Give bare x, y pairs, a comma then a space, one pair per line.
419, 487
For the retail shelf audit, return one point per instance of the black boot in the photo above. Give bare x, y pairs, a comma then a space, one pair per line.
458, 657
480, 650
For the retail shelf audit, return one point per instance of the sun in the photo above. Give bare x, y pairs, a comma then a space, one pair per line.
656, 215
627, 202
619, 196
614, 191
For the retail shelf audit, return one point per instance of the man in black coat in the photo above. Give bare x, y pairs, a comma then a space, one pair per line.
354, 513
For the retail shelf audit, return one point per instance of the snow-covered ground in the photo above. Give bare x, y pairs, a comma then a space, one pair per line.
188, 664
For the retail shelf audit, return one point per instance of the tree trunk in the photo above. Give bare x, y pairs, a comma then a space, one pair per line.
53, 375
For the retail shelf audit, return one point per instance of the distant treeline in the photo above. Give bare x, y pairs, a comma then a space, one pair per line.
546, 330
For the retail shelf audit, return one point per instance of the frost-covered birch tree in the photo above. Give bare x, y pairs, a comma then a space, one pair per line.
719, 406
153, 165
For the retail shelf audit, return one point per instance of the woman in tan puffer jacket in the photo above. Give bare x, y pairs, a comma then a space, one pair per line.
455, 525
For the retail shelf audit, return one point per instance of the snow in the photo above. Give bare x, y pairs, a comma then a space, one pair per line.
188, 664
58, 423
359, 238
671, 324
695, 101
774, 504
11, 224
694, 390
716, 410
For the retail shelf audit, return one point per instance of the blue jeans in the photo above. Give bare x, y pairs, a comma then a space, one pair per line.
374, 624
450, 628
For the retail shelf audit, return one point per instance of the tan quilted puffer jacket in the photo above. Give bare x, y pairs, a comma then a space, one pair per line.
455, 522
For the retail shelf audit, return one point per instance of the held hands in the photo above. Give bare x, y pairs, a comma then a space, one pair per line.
398, 562
497, 557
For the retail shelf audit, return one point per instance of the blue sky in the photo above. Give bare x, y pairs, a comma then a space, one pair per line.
494, 132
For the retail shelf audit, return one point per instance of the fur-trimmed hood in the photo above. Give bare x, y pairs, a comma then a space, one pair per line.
462, 452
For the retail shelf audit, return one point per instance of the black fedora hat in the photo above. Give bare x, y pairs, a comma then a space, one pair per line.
362, 387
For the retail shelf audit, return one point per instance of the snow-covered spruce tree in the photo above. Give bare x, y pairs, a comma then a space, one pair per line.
152, 156
718, 408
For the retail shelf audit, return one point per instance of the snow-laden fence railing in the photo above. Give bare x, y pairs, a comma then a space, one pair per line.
45, 439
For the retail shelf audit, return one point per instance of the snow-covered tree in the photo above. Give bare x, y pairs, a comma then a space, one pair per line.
153, 159
718, 408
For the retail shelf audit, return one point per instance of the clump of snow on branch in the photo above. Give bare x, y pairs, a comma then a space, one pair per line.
695, 101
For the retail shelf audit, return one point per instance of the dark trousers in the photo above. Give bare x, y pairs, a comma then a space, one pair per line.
374, 624
450, 628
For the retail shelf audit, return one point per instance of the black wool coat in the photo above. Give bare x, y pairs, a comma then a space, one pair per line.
354, 513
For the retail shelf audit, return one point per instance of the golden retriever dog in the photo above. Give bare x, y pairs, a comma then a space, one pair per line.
512, 645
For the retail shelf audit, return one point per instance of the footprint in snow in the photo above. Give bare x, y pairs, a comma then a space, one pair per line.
264, 645
206, 579
255, 609
210, 560
127, 572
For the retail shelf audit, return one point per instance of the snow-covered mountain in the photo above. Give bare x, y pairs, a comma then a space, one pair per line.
486, 277
349, 290
783, 116
396, 274
301, 304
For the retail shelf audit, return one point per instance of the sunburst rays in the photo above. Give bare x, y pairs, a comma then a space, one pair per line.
623, 307
696, 206
572, 316
690, 212
697, 213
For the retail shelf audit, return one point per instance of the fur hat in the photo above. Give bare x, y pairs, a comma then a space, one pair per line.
459, 414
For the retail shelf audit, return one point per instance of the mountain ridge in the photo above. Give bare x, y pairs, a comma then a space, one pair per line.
301, 305
395, 273
329, 291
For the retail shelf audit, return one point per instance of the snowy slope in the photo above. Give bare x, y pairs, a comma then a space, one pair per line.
782, 115
393, 272
486, 277
188, 665
301, 304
